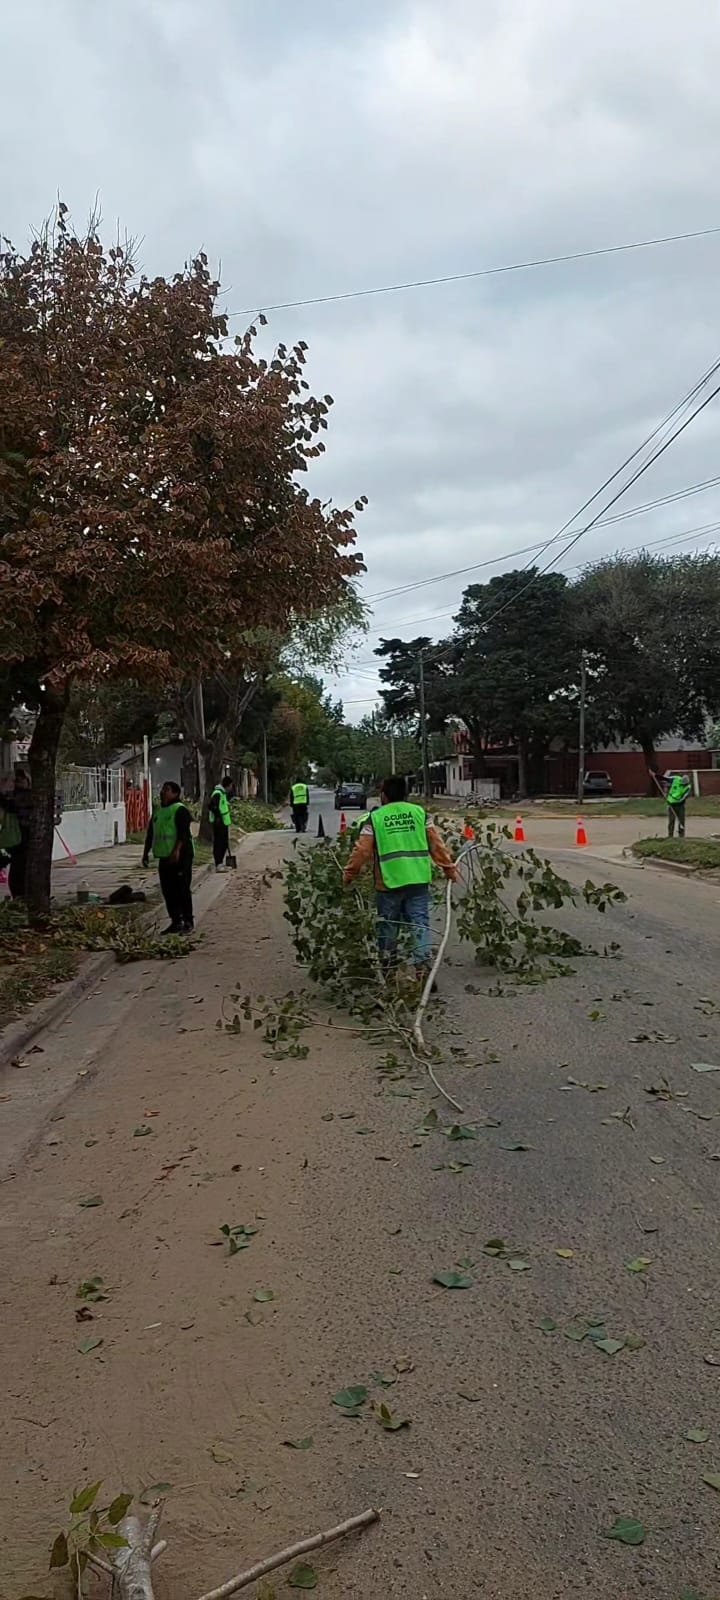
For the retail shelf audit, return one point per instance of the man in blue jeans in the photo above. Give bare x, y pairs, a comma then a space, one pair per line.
398, 839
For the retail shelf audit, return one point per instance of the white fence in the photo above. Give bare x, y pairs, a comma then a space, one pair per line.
87, 788
89, 810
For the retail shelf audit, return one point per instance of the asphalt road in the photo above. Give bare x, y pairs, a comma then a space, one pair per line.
322, 804
523, 1446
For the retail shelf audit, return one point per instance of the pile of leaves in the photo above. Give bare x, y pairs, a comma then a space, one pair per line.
81, 927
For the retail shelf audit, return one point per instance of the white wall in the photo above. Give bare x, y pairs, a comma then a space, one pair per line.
89, 830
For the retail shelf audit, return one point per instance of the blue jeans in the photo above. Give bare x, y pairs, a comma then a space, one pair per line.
412, 907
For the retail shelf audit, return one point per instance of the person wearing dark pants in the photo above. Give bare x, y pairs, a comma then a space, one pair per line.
299, 802
169, 837
679, 787
219, 814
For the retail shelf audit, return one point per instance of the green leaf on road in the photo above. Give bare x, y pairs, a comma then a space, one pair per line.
712, 1479
59, 1555
494, 1247
264, 1295
87, 1345
141, 1133
658, 1161
153, 1492
633, 1341
627, 1529
639, 1264
303, 1576
461, 1130
697, 1435
705, 1066
299, 1444
384, 1379
517, 1145
390, 1420
467, 1394
92, 1200
355, 1395
546, 1325
452, 1280
518, 1264
576, 1332
610, 1346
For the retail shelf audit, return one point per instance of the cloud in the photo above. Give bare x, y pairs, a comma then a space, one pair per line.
316, 150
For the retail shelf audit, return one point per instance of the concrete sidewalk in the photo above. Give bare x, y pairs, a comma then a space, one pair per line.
102, 871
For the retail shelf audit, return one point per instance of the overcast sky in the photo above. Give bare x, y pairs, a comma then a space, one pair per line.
324, 148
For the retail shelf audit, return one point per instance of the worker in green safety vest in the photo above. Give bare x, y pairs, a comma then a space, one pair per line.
299, 802
402, 845
679, 787
219, 814
169, 837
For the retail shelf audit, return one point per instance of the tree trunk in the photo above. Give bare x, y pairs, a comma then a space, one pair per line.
43, 759
522, 750
215, 749
648, 750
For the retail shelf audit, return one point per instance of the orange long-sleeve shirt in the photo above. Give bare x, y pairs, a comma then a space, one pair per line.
364, 854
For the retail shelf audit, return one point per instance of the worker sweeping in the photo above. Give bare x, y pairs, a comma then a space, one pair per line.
170, 839
299, 802
219, 814
402, 845
679, 787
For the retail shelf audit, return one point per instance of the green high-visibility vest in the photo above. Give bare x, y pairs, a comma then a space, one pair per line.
300, 794
401, 844
358, 822
219, 804
165, 831
678, 791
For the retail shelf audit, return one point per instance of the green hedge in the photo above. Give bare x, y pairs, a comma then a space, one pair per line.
253, 816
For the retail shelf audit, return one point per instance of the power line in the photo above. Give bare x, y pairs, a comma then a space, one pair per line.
480, 272
703, 531
509, 555
591, 524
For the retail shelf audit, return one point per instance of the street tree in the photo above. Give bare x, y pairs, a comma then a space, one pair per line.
151, 517
651, 628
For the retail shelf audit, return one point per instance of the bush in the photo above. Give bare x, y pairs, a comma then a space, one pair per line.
697, 853
253, 816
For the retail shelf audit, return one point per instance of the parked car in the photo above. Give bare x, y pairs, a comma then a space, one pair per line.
597, 782
350, 796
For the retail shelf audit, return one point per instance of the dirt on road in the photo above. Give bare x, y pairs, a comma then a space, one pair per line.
525, 1440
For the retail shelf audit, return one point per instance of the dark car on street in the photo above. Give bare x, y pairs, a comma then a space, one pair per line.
597, 782
350, 797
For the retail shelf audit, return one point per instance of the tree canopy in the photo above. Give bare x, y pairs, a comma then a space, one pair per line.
151, 517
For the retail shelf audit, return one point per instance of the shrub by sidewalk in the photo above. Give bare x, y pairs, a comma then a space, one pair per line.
697, 853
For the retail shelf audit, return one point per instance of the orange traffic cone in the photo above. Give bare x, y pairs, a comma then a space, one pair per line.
343, 823
580, 834
519, 835
468, 832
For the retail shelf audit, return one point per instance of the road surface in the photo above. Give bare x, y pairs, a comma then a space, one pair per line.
322, 804
523, 1446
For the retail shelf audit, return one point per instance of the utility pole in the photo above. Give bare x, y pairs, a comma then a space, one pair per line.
581, 729
392, 750
199, 717
427, 790
264, 767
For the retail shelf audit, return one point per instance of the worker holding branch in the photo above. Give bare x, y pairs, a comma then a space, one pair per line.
401, 845
679, 787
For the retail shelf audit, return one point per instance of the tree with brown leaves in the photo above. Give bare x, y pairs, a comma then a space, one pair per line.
151, 518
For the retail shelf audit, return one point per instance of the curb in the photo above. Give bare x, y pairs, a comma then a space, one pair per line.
18, 1035
680, 868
